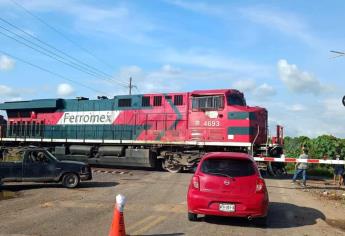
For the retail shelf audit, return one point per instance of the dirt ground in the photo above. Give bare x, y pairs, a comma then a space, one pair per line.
156, 205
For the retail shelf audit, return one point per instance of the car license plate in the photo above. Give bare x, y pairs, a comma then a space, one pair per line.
226, 207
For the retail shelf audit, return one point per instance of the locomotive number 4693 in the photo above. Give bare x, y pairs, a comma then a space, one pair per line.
212, 123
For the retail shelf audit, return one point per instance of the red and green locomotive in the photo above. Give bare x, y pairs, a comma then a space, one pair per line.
173, 129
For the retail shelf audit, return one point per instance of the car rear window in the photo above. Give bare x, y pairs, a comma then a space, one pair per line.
11, 155
228, 167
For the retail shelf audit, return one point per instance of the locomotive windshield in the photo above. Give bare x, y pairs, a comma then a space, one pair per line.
236, 99
208, 103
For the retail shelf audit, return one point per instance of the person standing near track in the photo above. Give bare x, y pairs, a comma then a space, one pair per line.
301, 168
338, 172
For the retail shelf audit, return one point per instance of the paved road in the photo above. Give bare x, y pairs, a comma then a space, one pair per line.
156, 206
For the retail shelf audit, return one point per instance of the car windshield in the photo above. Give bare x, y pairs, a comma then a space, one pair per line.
228, 167
51, 156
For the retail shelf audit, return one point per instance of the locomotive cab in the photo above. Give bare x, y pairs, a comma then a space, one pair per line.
223, 116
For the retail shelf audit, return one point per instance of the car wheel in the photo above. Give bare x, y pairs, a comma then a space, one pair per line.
261, 221
192, 216
70, 180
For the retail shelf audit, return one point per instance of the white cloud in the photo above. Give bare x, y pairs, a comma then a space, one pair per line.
308, 118
249, 86
282, 21
170, 69
264, 91
298, 81
7, 91
211, 60
200, 7
165, 79
129, 71
334, 107
6, 63
120, 19
168, 78
296, 108
244, 85
65, 90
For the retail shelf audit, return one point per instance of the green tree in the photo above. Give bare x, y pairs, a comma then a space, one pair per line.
292, 146
326, 145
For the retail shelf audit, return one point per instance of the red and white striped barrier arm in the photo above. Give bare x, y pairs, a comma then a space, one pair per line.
297, 160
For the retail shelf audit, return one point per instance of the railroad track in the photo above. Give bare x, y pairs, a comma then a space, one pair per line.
111, 171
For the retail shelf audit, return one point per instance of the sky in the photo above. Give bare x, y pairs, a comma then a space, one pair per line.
276, 52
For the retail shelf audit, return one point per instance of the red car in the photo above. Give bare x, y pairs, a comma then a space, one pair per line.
228, 184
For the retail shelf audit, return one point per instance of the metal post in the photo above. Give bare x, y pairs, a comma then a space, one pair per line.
130, 85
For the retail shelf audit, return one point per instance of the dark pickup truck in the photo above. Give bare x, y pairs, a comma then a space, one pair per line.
34, 164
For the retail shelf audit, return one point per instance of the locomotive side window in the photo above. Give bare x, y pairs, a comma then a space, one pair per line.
19, 132
41, 129
235, 99
208, 103
28, 129
125, 102
178, 100
15, 129
38, 128
157, 100
33, 128
10, 130
145, 101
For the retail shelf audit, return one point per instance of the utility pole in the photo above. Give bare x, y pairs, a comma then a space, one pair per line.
131, 86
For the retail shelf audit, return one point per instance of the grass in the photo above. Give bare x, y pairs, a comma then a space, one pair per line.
313, 170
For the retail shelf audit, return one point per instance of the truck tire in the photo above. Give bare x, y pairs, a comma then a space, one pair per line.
70, 180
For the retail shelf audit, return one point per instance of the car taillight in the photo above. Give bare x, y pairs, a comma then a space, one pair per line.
195, 182
260, 185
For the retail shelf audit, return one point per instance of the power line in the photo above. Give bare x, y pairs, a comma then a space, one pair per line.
51, 54
138, 89
81, 65
61, 34
52, 47
50, 72
338, 54
72, 61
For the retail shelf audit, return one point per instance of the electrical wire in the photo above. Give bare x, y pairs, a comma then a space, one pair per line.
79, 62
50, 72
53, 55
61, 34
71, 58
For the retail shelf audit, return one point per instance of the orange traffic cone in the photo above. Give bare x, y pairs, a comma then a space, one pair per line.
118, 225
